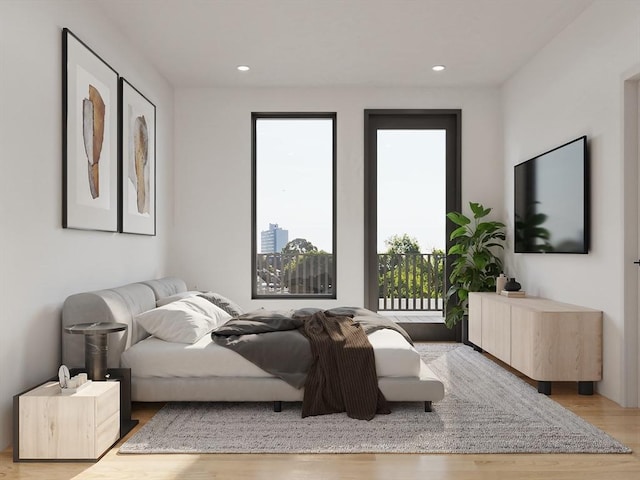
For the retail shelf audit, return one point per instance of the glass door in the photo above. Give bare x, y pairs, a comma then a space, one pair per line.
412, 179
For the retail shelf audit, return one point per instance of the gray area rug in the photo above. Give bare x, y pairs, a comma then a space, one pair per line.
485, 410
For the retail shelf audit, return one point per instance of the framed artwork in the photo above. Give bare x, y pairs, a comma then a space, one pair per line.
138, 162
89, 138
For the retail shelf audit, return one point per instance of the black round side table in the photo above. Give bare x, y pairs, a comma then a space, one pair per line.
96, 345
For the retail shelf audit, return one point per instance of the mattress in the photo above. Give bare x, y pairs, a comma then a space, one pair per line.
153, 357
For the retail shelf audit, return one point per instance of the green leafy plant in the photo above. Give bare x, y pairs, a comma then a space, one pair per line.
476, 247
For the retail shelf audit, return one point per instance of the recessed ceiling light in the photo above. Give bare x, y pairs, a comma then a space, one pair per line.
243, 68
438, 68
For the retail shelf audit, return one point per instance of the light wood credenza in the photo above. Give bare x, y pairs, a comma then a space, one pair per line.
545, 340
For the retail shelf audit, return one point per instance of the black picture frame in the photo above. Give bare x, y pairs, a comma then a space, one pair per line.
89, 138
137, 187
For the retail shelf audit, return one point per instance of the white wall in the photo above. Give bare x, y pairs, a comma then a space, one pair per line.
41, 263
211, 245
574, 86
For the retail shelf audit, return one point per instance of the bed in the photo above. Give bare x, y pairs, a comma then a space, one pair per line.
204, 371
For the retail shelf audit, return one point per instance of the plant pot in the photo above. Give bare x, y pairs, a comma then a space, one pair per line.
464, 328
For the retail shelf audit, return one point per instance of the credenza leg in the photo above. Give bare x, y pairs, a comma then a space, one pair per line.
427, 406
544, 387
585, 388
277, 406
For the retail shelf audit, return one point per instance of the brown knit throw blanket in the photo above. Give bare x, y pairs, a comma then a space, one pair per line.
342, 376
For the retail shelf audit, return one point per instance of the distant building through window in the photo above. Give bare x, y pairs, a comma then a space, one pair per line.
274, 239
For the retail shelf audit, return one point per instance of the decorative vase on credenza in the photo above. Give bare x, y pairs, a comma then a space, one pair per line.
512, 285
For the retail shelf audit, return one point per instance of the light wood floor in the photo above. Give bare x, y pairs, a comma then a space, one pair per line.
621, 423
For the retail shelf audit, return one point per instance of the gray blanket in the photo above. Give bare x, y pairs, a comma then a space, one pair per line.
272, 340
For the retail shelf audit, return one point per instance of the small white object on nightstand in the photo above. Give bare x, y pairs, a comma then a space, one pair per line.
63, 376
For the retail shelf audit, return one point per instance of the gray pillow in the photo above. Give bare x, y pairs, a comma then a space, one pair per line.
224, 303
161, 302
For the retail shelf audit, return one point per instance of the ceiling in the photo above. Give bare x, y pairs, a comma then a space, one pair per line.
199, 43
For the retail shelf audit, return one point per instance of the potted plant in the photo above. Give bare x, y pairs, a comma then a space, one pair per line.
477, 244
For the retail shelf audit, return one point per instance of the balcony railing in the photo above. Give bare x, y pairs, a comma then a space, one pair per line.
406, 282
410, 282
294, 274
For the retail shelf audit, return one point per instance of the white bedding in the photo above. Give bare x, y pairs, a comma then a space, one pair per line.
153, 357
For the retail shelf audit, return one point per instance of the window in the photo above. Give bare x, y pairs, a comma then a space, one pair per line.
293, 207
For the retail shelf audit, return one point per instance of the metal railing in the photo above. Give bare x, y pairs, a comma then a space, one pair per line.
291, 274
406, 282
411, 282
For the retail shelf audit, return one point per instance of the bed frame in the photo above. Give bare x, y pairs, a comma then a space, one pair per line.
123, 303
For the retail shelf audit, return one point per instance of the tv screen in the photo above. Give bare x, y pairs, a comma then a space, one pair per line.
552, 201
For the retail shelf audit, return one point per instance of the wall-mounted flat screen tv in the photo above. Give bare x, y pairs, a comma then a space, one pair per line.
552, 201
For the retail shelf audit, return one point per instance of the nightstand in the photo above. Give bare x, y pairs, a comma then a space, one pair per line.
53, 426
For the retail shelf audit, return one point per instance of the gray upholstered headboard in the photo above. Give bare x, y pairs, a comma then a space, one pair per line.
119, 304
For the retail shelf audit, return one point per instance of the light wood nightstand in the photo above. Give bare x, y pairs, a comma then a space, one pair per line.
53, 426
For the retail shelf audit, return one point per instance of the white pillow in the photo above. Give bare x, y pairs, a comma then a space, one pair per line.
183, 321
177, 296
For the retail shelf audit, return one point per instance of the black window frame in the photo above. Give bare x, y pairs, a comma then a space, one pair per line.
255, 116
